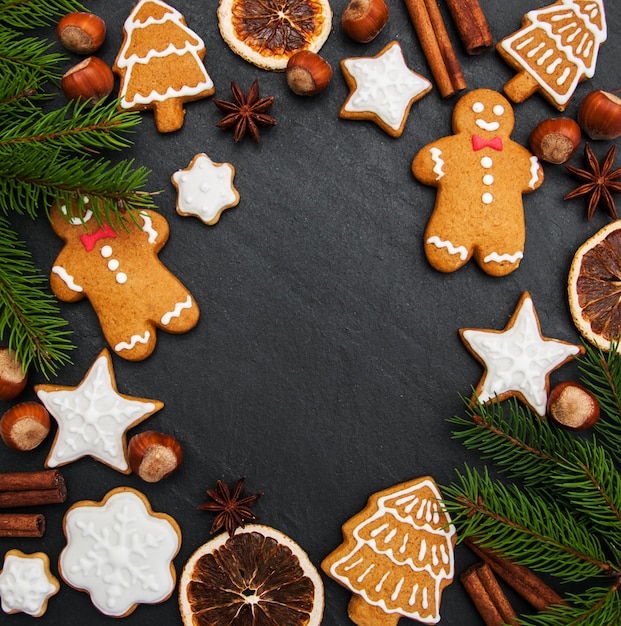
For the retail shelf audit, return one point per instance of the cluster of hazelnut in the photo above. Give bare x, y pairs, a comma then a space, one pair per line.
362, 20
152, 455
556, 140
91, 80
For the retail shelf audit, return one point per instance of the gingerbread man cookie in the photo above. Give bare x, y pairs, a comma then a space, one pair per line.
481, 175
119, 271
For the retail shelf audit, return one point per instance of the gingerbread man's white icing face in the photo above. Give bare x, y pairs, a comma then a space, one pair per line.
494, 117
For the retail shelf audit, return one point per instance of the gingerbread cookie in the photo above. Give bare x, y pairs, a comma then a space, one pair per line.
397, 556
481, 175
120, 273
382, 89
161, 64
120, 552
518, 360
26, 583
555, 49
205, 189
93, 417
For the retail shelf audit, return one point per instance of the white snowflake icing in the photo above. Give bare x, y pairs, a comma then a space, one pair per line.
26, 583
518, 359
120, 553
385, 85
93, 417
205, 189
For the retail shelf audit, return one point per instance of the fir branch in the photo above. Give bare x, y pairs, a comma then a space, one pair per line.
35, 178
29, 314
599, 606
17, 51
34, 13
525, 527
74, 128
20, 89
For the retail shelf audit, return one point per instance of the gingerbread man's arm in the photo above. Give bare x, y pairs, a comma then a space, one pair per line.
531, 172
429, 164
154, 227
63, 282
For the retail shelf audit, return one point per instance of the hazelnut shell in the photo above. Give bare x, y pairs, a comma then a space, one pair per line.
573, 406
307, 73
24, 426
154, 456
90, 80
81, 33
599, 115
13, 379
555, 140
363, 20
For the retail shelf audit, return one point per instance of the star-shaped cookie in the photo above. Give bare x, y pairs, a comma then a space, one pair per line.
26, 583
382, 89
205, 189
518, 360
93, 417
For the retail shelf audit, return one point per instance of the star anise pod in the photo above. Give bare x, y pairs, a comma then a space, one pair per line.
232, 510
245, 113
597, 180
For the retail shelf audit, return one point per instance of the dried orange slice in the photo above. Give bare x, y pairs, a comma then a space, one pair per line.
268, 32
256, 577
594, 287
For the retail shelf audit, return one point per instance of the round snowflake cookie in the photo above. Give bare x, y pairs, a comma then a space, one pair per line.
120, 552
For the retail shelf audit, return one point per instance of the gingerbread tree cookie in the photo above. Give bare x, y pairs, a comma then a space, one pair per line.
397, 556
555, 49
119, 271
160, 64
481, 175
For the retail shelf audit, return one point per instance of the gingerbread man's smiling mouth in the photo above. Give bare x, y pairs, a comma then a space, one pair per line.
491, 126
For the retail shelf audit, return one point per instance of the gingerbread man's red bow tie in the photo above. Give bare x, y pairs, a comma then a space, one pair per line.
479, 143
90, 239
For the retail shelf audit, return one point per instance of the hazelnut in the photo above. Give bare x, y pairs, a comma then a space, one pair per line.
82, 33
154, 456
24, 426
599, 115
363, 20
90, 80
307, 73
555, 140
573, 406
13, 378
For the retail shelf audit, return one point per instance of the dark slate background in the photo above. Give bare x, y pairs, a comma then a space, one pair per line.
327, 358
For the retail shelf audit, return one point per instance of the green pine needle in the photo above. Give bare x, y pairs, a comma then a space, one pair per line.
37, 335
17, 52
33, 13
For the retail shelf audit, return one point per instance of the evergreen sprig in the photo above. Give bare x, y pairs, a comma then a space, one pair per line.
51, 157
560, 514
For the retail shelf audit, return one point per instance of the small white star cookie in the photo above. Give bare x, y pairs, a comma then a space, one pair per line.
93, 417
382, 89
205, 189
26, 583
120, 552
518, 360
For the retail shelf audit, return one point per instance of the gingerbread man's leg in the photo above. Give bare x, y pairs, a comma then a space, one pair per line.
182, 315
500, 257
446, 248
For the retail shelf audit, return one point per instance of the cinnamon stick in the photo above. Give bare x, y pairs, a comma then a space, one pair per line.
22, 525
487, 595
523, 580
35, 497
436, 45
471, 25
27, 481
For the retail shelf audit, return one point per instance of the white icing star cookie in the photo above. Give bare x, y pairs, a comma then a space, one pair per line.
205, 189
120, 552
382, 89
518, 360
93, 417
26, 583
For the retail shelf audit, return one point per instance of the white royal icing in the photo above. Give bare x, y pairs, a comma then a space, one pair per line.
439, 163
494, 257
25, 584
119, 553
491, 126
385, 86
462, 251
416, 513
133, 342
205, 189
69, 280
518, 359
92, 418
147, 226
583, 57
194, 44
534, 172
486, 162
487, 198
176, 312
